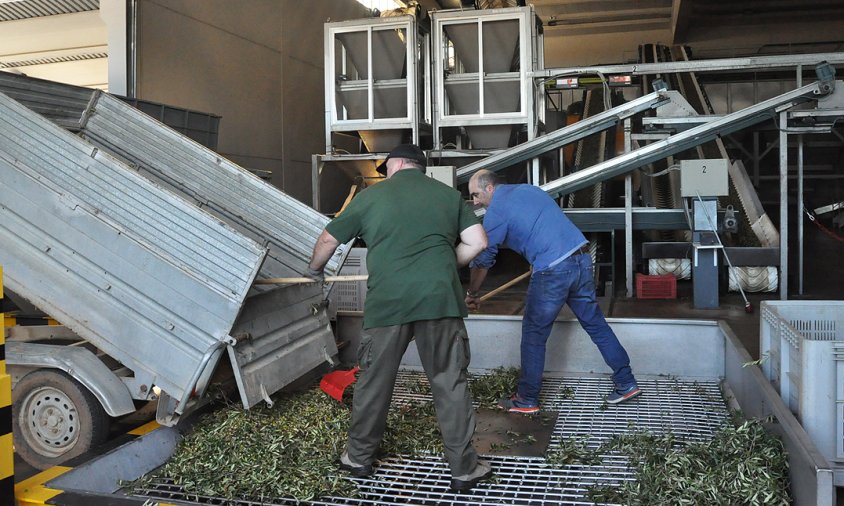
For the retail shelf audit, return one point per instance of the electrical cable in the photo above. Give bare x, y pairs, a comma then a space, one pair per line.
606, 87
688, 214
663, 172
604, 83
821, 226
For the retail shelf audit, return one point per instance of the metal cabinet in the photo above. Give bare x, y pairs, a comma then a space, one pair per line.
483, 61
377, 81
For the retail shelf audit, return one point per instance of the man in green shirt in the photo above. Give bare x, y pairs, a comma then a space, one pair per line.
410, 224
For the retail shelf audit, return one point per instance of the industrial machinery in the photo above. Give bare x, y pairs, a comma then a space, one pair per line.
696, 131
376, 82
377, 95
463, 91
703, 181
758, 253
487, 92
482, 61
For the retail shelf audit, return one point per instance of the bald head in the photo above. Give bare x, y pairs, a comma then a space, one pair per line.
485, 177
481, 187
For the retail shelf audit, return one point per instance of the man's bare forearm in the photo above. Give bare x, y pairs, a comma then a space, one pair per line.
323, 250
476, 279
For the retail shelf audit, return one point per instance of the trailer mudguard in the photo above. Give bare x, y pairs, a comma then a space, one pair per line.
81, 364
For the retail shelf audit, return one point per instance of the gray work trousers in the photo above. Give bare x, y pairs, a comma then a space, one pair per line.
443, 346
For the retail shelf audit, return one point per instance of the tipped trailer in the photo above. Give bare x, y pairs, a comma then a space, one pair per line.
693, 373
150, 269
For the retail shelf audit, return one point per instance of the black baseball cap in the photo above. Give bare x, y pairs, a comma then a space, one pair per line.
409, 151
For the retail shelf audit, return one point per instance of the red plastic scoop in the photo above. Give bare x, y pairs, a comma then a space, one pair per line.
335, 383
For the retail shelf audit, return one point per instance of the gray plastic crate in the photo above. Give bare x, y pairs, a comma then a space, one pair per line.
802, 343
350, 296
202, 127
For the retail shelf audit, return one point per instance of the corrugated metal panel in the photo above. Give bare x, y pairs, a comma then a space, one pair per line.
58, 102
24, 9
9, 64
243, 200
153, 282
282, 334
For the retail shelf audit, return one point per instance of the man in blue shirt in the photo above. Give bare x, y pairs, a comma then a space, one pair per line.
528, 221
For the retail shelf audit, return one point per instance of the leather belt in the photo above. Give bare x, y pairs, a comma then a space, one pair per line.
584, 250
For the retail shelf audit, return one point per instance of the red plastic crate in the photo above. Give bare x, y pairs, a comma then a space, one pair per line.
656, 287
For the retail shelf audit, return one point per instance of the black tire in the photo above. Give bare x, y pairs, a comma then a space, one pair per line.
55, 418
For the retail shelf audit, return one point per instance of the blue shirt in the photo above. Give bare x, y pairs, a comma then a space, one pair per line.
530, 222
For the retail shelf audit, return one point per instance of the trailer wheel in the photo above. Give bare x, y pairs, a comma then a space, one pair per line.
55, 418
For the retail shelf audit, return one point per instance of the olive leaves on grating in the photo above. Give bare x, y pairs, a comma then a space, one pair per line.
291, 448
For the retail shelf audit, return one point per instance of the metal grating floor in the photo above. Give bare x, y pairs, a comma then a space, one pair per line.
692, 411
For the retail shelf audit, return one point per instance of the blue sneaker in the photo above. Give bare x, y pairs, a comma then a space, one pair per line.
516, 404
623, 394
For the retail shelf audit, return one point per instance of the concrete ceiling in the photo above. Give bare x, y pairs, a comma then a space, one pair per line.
51, 38
591, 32
60, 40
12, 10
678, 17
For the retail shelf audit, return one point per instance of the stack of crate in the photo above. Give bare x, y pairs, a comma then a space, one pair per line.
801, 347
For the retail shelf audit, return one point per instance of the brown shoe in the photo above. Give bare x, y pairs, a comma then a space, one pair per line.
469, 481
356, 470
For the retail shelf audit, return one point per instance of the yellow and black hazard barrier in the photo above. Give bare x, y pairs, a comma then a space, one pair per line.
35, 491
7, 450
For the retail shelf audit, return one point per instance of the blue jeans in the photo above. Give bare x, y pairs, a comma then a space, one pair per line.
570, 282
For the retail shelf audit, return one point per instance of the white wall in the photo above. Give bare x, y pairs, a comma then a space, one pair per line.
115, 16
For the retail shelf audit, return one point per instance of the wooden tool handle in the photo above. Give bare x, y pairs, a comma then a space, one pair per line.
505, 286
328, 279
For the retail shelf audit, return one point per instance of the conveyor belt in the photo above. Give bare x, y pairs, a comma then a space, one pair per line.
687, 139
